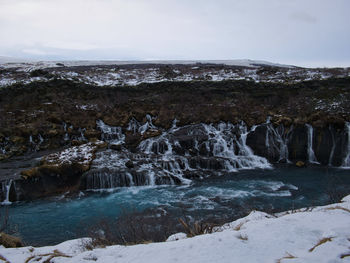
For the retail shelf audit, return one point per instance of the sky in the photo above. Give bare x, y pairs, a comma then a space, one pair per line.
298, 32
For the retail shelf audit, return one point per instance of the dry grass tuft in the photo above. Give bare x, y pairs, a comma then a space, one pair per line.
197, 228
322, 241
242, 237
4, 259
288, 256
338, 207
54, 254
345, 255
239, 226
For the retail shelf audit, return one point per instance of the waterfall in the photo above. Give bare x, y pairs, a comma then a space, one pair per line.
330, 160
279, 140
180, 153
66, 137
113, 135
135, 126
310, 151
346, 161
108, 180
226, 142
6, 187
41, 139
147, 126
82, 137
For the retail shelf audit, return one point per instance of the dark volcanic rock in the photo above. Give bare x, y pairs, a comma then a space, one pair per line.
297, 145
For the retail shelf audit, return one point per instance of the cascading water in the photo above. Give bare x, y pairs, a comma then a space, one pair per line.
6, 188
113, 135
174, 156
277, 140
346, 161
135, 126
41, 139
82, 137
211, 144
310, 151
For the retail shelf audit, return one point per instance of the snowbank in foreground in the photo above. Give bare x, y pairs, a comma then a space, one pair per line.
317, 235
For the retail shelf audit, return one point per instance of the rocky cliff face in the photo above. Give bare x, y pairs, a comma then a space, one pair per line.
165, 133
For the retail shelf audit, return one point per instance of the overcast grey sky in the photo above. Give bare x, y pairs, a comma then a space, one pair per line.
299, 32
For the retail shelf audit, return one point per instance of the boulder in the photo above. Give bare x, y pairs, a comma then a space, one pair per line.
10, 241
116, 147
129, 164
53, 133
92, 133
300, 164
17, 140
58, 172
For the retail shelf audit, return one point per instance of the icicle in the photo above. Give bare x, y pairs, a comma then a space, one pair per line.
310, 151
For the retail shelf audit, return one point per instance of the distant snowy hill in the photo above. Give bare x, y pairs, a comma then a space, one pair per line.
4, 60
72, 63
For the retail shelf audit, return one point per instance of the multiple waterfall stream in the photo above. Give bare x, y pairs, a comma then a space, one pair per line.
207, 171
182, 154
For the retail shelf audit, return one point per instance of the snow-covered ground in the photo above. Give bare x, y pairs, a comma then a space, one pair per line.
320, 234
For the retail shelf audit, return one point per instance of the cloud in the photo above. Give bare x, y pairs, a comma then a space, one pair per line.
165, 29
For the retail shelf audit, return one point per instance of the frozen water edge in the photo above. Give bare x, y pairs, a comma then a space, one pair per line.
258, 237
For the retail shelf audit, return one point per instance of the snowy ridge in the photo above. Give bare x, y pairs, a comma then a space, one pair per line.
10, 62
120, 73
319, 234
